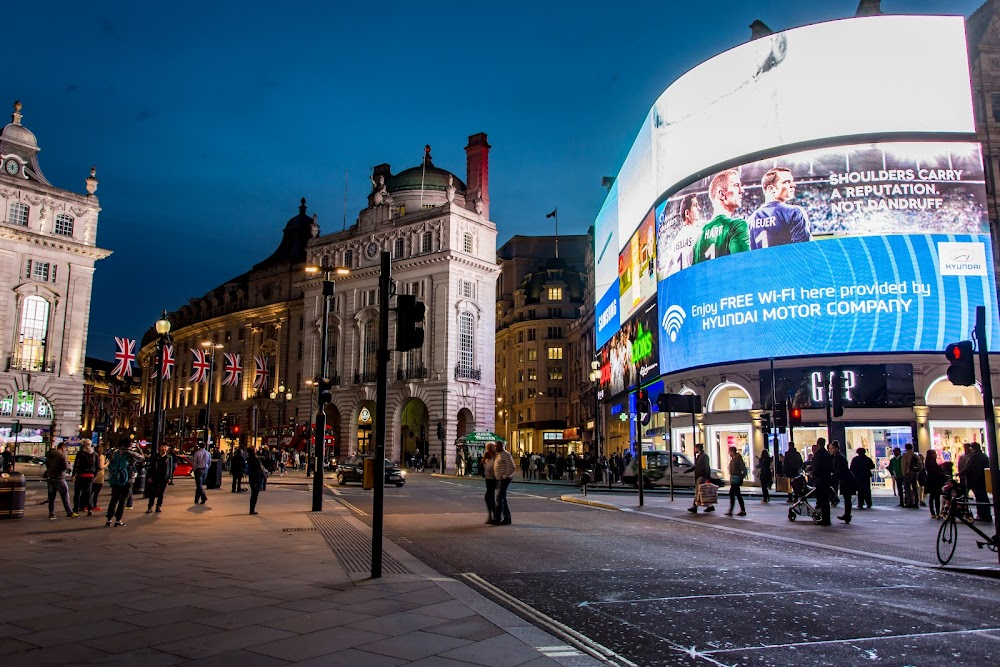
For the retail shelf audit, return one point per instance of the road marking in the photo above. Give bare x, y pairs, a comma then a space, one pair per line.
571, 636
351, 507
814, 642
750, 594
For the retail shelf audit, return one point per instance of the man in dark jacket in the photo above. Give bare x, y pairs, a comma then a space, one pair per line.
845, 479
822, 471
791, 466
862, 467
56, 466
237, 468
702, 471
157, 475
975, 476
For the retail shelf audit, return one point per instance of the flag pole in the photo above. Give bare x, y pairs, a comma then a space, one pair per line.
555, 214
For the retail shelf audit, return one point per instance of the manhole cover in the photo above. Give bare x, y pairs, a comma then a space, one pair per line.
298, 530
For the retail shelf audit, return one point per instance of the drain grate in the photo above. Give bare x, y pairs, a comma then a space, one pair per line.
298, 530
352, 547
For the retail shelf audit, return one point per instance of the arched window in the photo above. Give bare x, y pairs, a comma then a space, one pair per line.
64, 225
29, 406
466, 343
18, 214
34, 326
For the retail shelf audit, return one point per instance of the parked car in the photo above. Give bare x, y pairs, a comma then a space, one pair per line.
353, 470
182, 466
29, 466
657, 470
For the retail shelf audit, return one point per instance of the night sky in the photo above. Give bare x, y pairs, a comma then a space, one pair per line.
209, 121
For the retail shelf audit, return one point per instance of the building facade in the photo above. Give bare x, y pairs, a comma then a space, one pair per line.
442, 242
540, 292
47, 261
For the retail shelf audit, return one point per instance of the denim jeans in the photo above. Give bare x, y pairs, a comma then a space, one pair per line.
200, 474
502, 512
58, 486
491, 497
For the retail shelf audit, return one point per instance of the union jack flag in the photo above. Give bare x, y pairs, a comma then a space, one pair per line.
88, 396
134, 411
168, 362
124, 357
234, 368
260, 380
200, 365
115, 394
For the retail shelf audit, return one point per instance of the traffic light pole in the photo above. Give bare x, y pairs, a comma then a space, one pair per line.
990, 412
381, 390
319, 433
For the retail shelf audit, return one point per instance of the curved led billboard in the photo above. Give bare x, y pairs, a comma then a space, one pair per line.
785, 211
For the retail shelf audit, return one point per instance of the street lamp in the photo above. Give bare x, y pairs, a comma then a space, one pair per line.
285, 397
324, 372
163, 338
183, 399
595, 377
211, 385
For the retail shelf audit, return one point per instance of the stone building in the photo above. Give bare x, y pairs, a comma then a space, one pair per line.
539, 294
47, 261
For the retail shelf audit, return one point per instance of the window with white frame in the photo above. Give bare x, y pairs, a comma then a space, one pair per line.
18, 214
331, 350
555, 373
40, 271
349, 259
467, 243
369, 346
369, 297
64, 225
426, 242
555, 293
415, 288
555, 353
399, 247
466, 341
532, 354
32, 332
467, 289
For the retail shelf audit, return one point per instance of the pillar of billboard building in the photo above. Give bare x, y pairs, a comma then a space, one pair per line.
762, 213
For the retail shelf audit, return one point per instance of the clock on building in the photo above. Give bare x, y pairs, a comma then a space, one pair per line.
12, 167
371, 250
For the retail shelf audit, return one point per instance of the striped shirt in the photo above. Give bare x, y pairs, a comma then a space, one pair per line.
503, 465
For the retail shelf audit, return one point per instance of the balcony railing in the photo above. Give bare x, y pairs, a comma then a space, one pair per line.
364, 378
33, 365
418, 373
464, 373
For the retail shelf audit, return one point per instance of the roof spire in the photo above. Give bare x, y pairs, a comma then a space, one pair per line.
302, 206
427, 156
16, 116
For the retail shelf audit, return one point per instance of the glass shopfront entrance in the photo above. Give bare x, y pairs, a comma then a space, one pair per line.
879, 442
948, 437
721, 438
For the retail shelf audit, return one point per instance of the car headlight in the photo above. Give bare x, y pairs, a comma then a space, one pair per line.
402, 473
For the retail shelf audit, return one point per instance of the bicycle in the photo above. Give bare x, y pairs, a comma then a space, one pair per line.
958, 510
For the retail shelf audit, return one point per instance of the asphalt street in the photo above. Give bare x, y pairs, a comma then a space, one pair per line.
642, 590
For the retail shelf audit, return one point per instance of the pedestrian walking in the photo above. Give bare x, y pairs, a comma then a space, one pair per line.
202, 460
256, 474
791, 466
120, 471
737, 473
935, 483
975, 475
83, 479
100, 464
862, 468
702, 471
503, 470
237, 468
845, 480
765, 475
895, 468
157, 475
486, 469
56, 467
822, 471
8, 458
910, 463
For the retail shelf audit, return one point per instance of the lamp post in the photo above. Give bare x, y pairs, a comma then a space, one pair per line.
311, 383
595, 378
211, 386
183, 399
163, 337
286, 395
324, 372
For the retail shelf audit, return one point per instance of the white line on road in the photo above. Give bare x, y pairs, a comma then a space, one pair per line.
814, 642
753, 594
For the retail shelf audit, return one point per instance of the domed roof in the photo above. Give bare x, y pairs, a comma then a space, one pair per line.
296, 235
16, 133
432, 178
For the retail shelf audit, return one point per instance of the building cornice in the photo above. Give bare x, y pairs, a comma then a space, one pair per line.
29, 237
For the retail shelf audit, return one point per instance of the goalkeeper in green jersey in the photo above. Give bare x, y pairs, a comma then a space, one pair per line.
723, 234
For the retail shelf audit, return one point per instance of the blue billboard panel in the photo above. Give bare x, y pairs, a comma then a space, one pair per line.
608, 316
893, 293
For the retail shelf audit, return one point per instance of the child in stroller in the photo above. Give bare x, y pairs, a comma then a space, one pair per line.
804, 495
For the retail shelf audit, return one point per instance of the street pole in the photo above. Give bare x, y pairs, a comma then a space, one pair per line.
157, 413
638, 427
670, 452
319, 434
990, 413
381, 390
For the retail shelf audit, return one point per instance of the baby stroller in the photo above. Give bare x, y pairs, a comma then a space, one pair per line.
804, 491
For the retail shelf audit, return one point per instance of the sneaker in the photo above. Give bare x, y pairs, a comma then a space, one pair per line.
729, 513
128, 507
108, 523
52, 517
710, 508
741, 513
119, 523
157, 510
693, 510
72, 515
97, 509
90, 512
149, 511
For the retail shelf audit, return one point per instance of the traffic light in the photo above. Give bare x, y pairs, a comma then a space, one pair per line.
642, 402
409, 314
780, 417
765, 423
324, 390
223, 424
837, 392
440, 431
794, 416
234, 432
962, 371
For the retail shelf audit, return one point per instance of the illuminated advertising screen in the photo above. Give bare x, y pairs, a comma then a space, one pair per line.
778, 95
862, 386
631, 358
854, 249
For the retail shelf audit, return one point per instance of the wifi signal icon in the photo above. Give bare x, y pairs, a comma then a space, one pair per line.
672, 321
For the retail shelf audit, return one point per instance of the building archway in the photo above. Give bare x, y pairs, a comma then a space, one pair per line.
414, 429
466, 423
366, 427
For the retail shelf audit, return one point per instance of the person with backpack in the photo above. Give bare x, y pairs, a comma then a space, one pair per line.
911, 471
118, 476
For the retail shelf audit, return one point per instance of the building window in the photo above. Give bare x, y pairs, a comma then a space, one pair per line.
531, 394
241, 333
555, 294
300, 350
40, 271
520, 336
349, 259
520, 376
18, 214
331, 352
531, 334
466, 341
556, 373
520, 356
467, 243
425, 242
399, 247
555, 332
532, 375
32, 333
467, 289
369, 297
370, 347
64, 225
995, 104
555, 354
555, 312
532, 354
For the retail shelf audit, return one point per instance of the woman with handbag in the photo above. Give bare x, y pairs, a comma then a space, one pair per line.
257, 475
486, 470
737, 473
764, 474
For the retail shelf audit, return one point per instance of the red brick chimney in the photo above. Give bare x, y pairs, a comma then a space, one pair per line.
477, 166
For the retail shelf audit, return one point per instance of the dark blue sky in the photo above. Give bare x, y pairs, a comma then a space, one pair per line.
208, 121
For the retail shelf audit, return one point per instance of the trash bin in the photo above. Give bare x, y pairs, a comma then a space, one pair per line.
12, 488
139, 485
214, 477
585, 478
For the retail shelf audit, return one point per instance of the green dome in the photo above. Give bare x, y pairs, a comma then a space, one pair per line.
432, 177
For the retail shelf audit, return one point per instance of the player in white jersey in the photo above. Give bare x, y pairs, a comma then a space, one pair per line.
682, 245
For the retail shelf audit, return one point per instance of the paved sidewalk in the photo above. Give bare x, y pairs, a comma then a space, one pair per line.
886, 531
211, 585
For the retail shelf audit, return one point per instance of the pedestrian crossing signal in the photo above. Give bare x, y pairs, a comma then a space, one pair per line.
962, 371
795, 416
